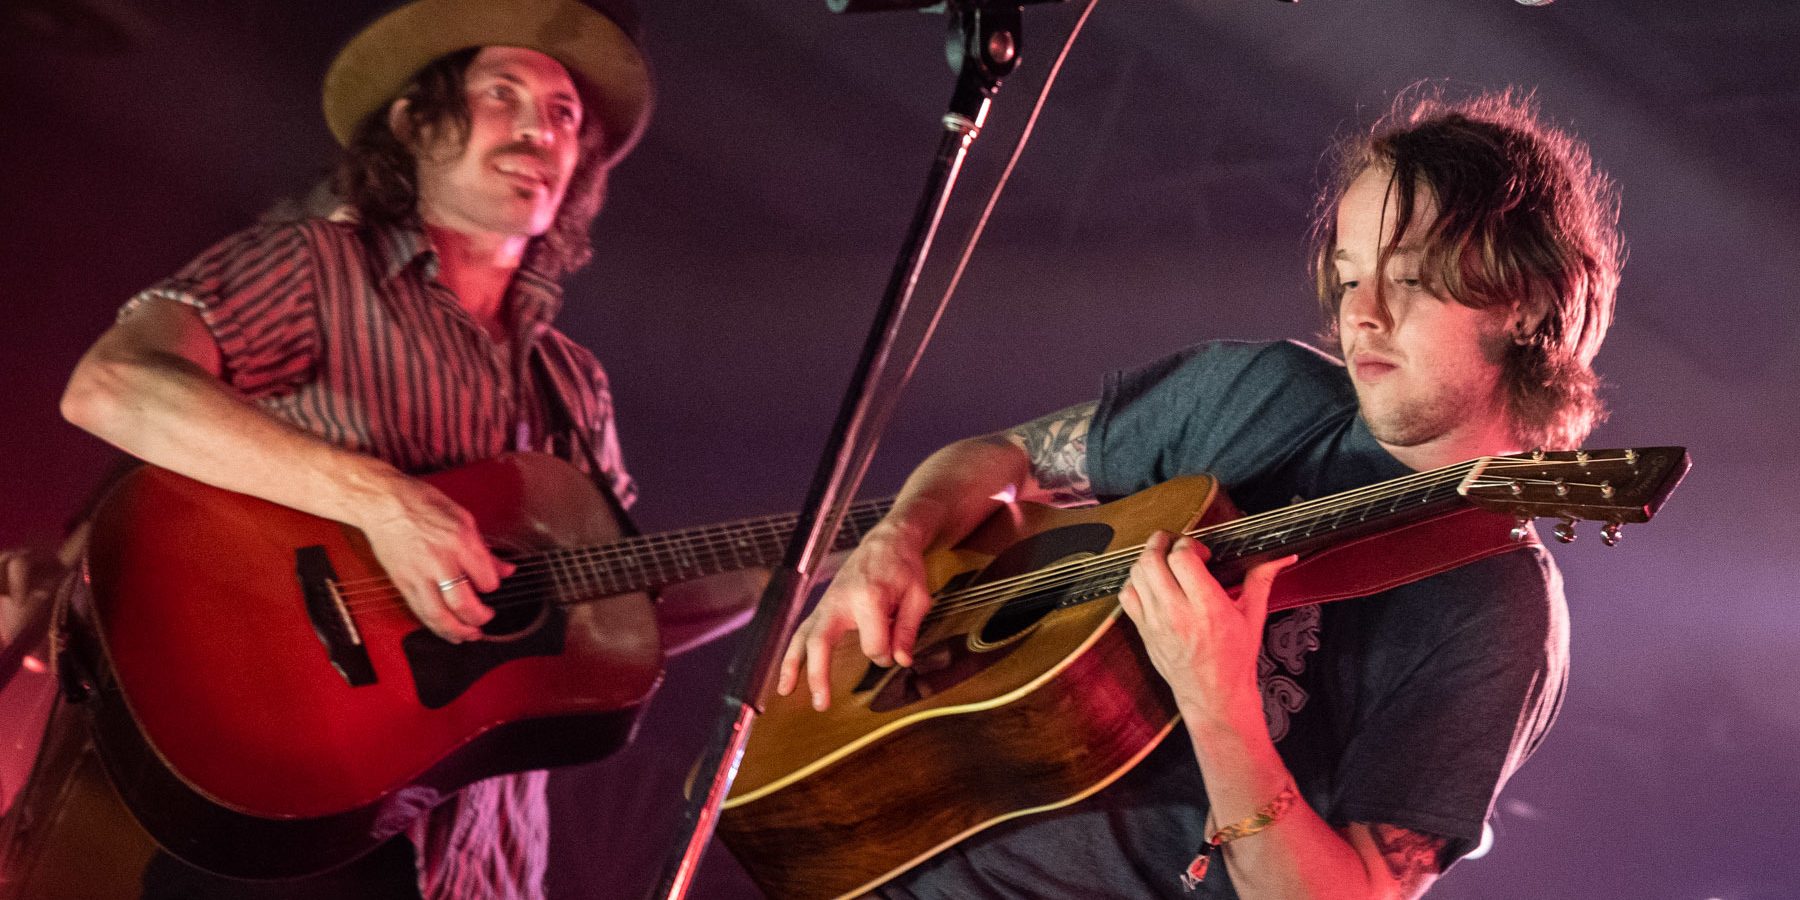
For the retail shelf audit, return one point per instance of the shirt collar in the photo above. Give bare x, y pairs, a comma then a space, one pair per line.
398, 246
536, 297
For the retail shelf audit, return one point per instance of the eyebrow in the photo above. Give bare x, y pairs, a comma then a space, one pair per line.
1402, 250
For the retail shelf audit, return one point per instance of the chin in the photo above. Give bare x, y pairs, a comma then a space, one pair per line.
523, 225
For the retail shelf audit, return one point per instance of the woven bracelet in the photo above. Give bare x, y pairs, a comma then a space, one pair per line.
1262, 818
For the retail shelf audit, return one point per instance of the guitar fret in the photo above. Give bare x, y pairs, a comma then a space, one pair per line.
567, 571
850, 534
734, 542
649, 561
662, 559
581, 573
563, 572
601, 570
702, 554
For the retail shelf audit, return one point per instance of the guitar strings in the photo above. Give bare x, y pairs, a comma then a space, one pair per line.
1091, 569
548, 560
1088, 568
1098, 570
723, 536
715, 540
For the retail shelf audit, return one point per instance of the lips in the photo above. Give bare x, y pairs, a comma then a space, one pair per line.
524, 170
1367, 366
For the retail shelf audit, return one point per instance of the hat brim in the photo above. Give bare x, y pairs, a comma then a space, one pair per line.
602, 58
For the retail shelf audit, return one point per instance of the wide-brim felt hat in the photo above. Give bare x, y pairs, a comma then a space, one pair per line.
595, 40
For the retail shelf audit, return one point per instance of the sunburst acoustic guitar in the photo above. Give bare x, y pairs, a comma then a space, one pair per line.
1030, 691
267, 706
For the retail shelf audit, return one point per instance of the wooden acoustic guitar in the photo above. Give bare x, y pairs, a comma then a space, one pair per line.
268, 707
1029, 690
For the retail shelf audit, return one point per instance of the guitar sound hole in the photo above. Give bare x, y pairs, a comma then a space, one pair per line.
519, 604
1031, 555
1018, 614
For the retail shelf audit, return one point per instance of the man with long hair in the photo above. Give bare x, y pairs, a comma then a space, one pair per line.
1466, 257
322, 363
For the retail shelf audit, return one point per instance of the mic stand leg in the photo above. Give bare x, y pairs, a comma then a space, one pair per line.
985, 48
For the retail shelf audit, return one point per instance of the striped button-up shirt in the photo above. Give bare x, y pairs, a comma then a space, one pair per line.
347, 333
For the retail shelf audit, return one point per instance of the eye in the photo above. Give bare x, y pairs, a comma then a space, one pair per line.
565, 116
501, 91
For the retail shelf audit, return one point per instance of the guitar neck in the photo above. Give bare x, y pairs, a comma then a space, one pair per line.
1316, 524
1302, 528
653, 561
1614, 486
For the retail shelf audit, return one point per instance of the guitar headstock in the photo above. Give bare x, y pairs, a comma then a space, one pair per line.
1611, 486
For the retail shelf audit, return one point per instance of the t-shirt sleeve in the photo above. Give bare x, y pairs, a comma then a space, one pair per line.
256, 292
1228, 408
1465, 672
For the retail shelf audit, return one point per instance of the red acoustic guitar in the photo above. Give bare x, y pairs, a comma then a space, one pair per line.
267, 705
1028, 692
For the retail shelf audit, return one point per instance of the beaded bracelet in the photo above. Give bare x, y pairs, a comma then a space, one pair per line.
1262, 818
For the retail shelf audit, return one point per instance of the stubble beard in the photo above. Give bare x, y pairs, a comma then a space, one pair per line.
1412, 421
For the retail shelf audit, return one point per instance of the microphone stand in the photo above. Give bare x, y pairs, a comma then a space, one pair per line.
985, 44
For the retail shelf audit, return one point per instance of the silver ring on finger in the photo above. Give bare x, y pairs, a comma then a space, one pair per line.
449, 584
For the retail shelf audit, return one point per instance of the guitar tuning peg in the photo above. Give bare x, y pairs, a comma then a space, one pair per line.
1565, 531
1521, 530
1612, 534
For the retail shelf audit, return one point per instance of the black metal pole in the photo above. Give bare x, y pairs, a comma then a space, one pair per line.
986, 46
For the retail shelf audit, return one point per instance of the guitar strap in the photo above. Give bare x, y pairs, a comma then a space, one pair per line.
562, 420
1378, 562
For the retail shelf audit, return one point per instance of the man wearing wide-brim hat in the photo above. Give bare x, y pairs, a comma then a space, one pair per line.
409, 331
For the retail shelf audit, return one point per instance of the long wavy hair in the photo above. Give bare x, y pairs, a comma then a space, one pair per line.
1523, 217
378, 173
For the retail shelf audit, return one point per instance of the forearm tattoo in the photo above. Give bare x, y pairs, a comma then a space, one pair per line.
1412, 856
1057, 447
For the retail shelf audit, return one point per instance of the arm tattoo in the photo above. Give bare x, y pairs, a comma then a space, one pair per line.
1057, 447
1412, 856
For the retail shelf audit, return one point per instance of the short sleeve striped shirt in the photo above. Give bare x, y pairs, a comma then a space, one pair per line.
345, 332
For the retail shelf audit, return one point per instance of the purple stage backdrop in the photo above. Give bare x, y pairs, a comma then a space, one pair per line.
1164, 201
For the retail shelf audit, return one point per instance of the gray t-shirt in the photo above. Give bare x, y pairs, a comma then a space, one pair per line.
1408, 708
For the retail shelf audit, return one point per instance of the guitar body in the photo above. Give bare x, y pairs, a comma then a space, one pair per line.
1004, 713
240, 747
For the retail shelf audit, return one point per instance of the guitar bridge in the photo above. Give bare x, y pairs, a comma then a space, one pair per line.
331, 618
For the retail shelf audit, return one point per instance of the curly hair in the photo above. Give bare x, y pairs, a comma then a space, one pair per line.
378, 173
1523, 217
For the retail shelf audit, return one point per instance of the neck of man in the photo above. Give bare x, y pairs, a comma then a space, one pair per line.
478, 267
1487, 436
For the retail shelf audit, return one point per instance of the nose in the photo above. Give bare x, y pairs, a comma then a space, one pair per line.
531, 124
1362, 308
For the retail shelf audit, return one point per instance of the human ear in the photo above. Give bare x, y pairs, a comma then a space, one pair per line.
399, 123
1526, 318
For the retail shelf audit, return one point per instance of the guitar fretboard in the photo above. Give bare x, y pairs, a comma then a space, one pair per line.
658, 560
1299, 528
1380, 506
